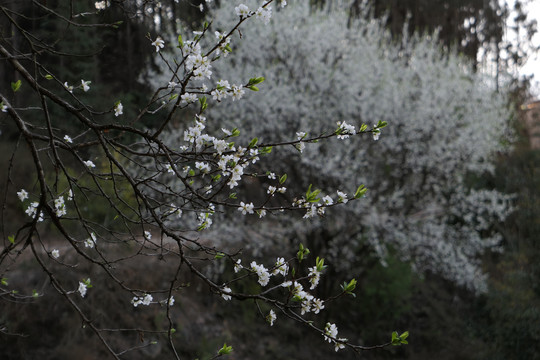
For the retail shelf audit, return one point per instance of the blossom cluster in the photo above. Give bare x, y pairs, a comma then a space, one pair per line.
145, 299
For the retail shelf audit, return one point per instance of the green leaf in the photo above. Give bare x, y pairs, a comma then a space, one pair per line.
180, 41
253, 143
348, 287
361, 191
363, 128
191, 172
173, 96
311, 196
282, 179
235, 132
16, 86
255, 81
232, 195
219, 255
48, 77
319, 264
225, 350
253, 88
4, 281
302, 252
381, 124
204, 103
11, 239
397, 340
35, 294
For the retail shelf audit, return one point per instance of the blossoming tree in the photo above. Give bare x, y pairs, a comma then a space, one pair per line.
446, 123
160, 193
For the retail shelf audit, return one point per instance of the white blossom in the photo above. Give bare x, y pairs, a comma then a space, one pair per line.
91, 241
23, 195
100, 5
246, 208
271, 318
83, 287
225, 291
241, 10
146, 300
262, 273
85, 85
118, 109
238, 266
158, 43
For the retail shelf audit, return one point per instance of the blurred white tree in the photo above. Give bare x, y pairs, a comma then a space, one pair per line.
445, 123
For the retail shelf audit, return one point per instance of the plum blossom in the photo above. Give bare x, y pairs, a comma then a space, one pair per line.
262, 273
225, 291
264, 14
60, 206
91, 241
238, 266
246, 208
280, 267
242, 10
100, 5
188, 98
118, 109
23, 195
237, 92
271, 317
158, 43
342, 197
83, 287
85, 85
146, 300
31, 211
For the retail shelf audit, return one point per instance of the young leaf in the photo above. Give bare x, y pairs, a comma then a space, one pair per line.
204, 103
255, 81
361, 191
225, 350
16, 85
381, 124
